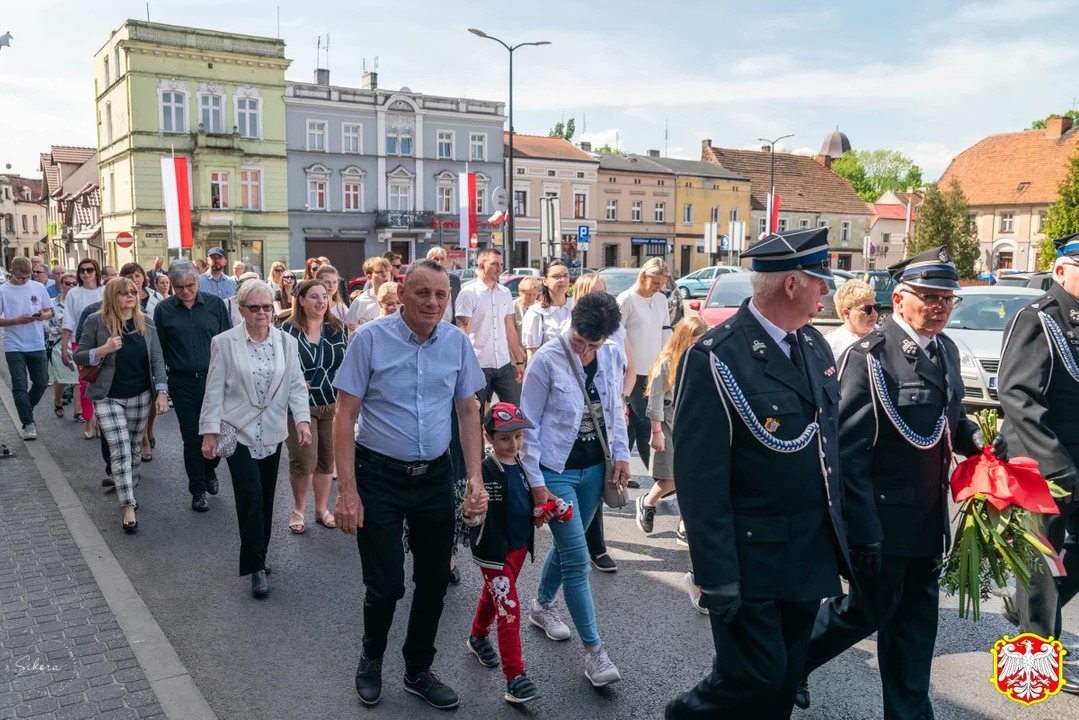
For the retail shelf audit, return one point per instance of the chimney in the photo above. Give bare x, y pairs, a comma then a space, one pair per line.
706, 149
370, 81
653, 153
1057, 126
824, 161
585, 145
766, 148
322, 77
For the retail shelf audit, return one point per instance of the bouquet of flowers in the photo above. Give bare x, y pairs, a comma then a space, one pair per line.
1000, 520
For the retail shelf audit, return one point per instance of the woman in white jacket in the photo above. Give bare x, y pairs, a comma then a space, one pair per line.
254, 380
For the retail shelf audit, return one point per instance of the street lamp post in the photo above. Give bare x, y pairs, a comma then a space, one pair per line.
509, 172
772, 183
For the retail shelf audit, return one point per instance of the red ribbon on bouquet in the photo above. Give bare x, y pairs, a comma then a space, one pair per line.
1016, 482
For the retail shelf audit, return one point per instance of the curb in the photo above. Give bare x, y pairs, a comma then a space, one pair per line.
176, 691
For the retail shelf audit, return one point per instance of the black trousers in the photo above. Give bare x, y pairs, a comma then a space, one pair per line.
640, 427
900, 604
426, 501
186, 392
1039, 610
253, 482
503, 382
757, 666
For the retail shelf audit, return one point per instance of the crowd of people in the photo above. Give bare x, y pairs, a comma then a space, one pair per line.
461, 416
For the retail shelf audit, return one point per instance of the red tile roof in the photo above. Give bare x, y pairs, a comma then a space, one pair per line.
545, 148
888, 212
73, 155
19, 184
802, 184
52, 177
1013, 168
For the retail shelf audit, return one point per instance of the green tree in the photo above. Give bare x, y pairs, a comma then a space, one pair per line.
872, 172
1040, 123
563, 130
1063, 216
609, 150
943, 219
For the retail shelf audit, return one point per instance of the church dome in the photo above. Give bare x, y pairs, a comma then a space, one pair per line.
835, 145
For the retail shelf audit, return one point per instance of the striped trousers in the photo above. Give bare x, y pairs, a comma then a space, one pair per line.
123, 422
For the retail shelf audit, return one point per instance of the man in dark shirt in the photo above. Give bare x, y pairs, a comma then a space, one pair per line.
186, 322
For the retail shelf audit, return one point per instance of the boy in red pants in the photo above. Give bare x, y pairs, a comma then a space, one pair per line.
499, 546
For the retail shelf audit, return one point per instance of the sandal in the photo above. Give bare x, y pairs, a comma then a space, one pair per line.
321, 519
78, 417
58, 411
297, 528
147, 458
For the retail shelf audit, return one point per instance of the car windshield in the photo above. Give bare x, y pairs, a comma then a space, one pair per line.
1013, 281
987, 312
879, 283
619, 282
730, 290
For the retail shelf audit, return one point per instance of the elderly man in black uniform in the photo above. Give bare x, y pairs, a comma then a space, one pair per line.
1041, 350
756, 457
900, 418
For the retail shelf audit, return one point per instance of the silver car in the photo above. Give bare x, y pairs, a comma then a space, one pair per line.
977, 327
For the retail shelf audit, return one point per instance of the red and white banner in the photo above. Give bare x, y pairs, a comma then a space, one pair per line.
468, 208
910, 220
775, 213
177, 200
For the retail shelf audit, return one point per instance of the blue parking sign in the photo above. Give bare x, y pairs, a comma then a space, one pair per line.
582, 233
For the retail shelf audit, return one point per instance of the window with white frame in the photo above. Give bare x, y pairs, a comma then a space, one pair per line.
219, 190
520, 203
972, 222
116, 61
350, 139
550, 173
112, 190
478, 147
316, 194
352, 189
1007, 222
715, 214
173, 112
762, 226
25, 223
212, 113
734, 214
612, 209
108, 81
481, 197
400, 197
822, 223
687, 214
399, 141
445, 199
35, 224
661, 212
352, 197
316, 135
635, 211
782, 226
251, 189
844, 231
247, 117
108, 122
445, 145
803, 224
580, 206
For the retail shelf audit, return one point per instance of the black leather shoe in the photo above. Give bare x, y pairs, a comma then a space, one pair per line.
801, 695
455, 576
199, 502
132, 527
369, 680
430, 688
260, 588
108, 482
211, 483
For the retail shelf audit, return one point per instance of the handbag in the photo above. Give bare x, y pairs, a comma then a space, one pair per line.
614, 495
89, 373
227, 434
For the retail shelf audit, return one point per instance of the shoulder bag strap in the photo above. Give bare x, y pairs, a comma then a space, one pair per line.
587, 400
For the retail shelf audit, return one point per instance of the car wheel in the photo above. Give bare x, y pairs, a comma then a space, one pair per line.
683, 292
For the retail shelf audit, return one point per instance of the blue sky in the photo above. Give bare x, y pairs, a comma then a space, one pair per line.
926, 77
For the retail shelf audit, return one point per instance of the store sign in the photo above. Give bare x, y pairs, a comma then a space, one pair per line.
648, 241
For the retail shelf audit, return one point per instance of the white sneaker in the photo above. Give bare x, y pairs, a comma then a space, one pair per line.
29, 432
693, 596
546, 618
599, 669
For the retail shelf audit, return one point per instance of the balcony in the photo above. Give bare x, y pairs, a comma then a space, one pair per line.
404, 219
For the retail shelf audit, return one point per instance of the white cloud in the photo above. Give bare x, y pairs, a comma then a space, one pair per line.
935, 156
1008, 12
762, 64
612, 137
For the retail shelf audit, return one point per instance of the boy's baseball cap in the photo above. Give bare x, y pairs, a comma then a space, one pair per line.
505, 417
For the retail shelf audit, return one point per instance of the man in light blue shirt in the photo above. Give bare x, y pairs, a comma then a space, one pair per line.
407, 370
214, 281
24, 306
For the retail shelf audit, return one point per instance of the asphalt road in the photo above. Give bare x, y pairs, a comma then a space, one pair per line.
294, 654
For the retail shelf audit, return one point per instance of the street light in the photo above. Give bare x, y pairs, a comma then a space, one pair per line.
509, 172
772, 184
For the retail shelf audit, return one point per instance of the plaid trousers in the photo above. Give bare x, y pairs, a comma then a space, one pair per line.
123, 422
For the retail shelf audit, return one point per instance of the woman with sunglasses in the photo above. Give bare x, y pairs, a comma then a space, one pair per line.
282, 298
276, 271
60, 374
857, 305
122, 342
88, 291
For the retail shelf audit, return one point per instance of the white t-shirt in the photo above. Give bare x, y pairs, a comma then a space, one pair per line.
644, 320
488, 309
78, 299
26, 299
543, 323
363, 309
839, 340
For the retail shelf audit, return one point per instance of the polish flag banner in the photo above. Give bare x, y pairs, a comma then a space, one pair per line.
910, 220
177, 201
775, 213
468, 208
497, 218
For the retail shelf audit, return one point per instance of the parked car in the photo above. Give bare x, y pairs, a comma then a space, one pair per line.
1041, 281
724, 298
534, 272
826, 311
465, 274
880, 281
697, 284
621, 279
841, 276
977, 327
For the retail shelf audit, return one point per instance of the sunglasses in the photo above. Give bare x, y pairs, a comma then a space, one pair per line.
288, 277
259, 308
397, 267
69, 284
127, 293
40, 272
933, 300
870, 309
88, 269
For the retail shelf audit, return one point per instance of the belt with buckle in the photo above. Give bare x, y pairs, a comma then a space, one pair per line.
411, 469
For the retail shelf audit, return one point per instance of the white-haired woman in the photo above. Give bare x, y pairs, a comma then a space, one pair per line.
857, 304
645, 316
255, 379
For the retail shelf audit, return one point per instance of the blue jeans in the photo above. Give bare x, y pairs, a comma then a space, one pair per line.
567, 561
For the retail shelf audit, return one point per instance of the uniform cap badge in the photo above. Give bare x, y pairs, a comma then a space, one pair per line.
771, 425
943, 255
1073, 315
758, 347
909, 346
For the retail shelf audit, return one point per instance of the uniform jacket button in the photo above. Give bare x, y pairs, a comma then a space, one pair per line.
749, 534
881, 497
775, 407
